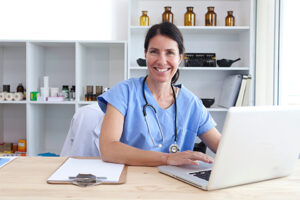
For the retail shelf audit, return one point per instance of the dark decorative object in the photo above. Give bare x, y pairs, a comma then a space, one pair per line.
141, 62
226, 62
200, 59
201, 147
208, 102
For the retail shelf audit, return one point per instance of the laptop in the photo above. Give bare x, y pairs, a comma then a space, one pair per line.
258, 143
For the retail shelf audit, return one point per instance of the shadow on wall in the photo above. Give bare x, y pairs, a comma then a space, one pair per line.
119, 19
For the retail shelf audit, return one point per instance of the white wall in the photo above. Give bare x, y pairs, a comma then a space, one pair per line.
289, 54
63, 19
265, 37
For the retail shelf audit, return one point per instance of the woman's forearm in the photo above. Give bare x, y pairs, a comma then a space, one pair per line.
118, 152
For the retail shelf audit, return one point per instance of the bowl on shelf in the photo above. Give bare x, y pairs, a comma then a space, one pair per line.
141, 62
208, 102
226, 62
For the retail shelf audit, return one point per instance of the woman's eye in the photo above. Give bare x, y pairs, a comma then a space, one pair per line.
170, 53
153, 52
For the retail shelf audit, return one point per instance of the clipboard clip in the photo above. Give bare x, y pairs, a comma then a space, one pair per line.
84, 180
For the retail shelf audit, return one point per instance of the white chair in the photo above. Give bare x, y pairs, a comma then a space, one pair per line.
83, 135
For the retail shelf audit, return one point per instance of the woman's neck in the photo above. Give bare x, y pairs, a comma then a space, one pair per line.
162, 92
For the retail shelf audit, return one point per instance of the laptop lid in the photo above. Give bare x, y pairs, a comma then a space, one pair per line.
258, 143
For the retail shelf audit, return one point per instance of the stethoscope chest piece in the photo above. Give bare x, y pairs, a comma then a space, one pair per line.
174, 148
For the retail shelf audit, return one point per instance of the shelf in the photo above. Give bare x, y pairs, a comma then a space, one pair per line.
86, 102
217, 109
50, 102
202, 68
182, 0
198, 29
13, 102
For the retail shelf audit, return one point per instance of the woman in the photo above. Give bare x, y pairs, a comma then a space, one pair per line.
149, 117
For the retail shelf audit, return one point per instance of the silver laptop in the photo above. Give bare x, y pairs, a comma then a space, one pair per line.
258, 143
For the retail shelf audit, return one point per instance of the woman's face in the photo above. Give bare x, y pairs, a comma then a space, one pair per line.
162, 58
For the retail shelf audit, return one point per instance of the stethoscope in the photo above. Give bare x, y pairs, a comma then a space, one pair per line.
173, 147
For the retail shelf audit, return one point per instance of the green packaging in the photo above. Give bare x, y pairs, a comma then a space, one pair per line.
34, 96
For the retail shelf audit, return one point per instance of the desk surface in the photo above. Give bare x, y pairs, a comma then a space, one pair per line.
25, 178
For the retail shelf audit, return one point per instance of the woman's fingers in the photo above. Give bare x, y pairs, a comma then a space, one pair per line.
188, 157
202, 157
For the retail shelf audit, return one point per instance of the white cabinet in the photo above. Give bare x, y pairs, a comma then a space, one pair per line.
227, 42
80, 63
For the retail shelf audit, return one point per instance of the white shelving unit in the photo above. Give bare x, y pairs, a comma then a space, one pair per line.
226, 42
80, 63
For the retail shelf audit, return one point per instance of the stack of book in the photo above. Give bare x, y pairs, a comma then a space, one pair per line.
235, 91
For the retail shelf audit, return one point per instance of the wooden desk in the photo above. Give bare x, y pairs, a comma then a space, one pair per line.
25, 178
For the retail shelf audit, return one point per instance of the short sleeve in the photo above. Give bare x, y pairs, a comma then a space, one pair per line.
117, 96
206, 121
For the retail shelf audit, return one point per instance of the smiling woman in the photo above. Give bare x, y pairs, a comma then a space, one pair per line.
162, 58
150, 120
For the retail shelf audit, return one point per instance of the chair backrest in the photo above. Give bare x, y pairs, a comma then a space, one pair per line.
84, 132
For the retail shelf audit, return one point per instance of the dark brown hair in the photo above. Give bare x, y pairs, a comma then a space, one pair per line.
172, 32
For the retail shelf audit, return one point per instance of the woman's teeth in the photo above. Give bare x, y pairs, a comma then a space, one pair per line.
162, 70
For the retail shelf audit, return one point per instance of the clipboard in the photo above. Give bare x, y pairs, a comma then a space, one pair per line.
122, 178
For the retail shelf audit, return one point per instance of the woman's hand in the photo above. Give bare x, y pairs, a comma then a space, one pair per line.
187, 157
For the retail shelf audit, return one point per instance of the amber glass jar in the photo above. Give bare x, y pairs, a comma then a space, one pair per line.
210, 17
230, 20
167, 16
144, 19
189, 17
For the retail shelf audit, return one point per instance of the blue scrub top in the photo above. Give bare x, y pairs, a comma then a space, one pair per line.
193, 118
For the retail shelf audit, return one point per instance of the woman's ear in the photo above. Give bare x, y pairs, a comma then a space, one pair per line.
180, 57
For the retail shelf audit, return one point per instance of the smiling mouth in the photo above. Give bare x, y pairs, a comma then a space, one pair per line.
162, 70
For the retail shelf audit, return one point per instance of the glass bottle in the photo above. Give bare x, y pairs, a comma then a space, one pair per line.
189, 17
230, 20
210, 17
144, 19
167, 16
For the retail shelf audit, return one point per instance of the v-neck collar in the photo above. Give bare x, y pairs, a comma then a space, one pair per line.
156, 105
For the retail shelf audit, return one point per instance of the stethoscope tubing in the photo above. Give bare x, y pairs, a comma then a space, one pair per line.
154, 110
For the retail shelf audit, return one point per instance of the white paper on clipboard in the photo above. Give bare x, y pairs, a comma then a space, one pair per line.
72, 167
5, 160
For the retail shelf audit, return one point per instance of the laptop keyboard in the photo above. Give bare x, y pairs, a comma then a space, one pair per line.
202, 174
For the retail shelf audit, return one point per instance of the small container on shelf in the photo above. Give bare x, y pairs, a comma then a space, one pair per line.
99, 90
210, 17
89, 89
6, 88
72, 93
144, 19
189, 17
34, 95
14, 147
65, 91
167, 16
22, 145
21, 89
230, 19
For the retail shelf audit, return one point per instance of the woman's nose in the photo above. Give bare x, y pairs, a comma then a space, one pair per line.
162, 59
